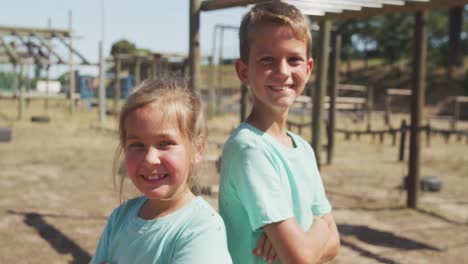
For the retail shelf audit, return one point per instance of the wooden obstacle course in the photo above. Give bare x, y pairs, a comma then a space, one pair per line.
389, 95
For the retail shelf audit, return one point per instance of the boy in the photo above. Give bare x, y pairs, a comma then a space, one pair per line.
271, 196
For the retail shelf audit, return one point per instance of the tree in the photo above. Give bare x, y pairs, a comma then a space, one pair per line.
123, 46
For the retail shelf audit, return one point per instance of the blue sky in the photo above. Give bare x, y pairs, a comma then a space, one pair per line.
158, 25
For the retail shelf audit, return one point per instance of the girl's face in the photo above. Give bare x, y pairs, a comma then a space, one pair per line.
156, 153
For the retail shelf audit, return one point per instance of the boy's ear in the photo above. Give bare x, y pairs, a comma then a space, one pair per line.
310, 66
242, 72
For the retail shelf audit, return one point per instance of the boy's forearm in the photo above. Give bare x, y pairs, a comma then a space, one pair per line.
332, 245
293, 245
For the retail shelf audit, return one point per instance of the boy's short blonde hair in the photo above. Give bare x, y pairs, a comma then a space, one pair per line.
275, 12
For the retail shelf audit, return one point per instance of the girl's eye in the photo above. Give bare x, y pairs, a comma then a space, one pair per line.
135, 146
165, 143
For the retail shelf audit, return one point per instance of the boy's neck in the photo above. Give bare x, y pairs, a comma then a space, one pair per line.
273, 124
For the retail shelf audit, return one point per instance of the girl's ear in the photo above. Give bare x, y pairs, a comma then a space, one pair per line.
242, 72
199, 152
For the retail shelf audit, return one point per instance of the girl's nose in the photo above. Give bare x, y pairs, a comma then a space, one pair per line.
152, 156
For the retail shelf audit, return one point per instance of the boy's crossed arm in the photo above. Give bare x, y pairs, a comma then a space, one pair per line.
293, 245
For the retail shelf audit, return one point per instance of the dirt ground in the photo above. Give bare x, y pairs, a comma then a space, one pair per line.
56, 191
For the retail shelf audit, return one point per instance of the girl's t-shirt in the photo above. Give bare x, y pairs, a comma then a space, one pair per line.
193, 234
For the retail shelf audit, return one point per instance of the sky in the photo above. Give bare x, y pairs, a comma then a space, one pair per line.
158, 25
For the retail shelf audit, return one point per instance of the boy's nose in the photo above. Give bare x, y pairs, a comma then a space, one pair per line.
152, 156
283, 68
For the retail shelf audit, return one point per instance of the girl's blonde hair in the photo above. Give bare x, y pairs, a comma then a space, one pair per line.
179, 106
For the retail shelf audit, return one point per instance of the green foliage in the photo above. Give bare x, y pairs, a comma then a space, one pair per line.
123, 46
8, 81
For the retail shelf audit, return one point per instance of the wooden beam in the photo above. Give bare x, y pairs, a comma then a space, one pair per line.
51, 51
220, 4
335, 80
10, 51
417, 104
194, 44
319, 92
408, 7
27, 31
73, 50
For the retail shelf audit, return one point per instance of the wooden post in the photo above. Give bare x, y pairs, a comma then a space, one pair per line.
369, 106
401, 154
428, 134
317, 109
21, 92
220, 61
213, 98
335, 76
71, 91
46, 102
194, 44
211, 90
456, 113
387, 101
117, 84
102, 85
417, 104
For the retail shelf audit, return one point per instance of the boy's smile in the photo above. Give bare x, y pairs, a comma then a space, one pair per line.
278, 67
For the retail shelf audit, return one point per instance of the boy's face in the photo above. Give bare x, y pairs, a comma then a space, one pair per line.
277, 69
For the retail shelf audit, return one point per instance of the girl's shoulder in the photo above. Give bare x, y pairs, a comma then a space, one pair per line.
202, 217
128, 208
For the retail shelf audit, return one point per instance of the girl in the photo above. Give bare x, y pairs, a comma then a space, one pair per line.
162, 135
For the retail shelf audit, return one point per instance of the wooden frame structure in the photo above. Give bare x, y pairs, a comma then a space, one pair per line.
324, 11
35, 49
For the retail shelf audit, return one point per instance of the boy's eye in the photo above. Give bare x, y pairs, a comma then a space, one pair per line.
296, 59
266, 60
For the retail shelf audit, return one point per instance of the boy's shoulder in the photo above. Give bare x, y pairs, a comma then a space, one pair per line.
245, 135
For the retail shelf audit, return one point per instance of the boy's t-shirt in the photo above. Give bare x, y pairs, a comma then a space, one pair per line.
193, 234
264, 182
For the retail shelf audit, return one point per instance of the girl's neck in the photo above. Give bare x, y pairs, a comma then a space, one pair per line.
153, 209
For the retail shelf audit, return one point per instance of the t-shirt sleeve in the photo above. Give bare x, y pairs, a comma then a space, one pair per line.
320, 205
256, 178
101, 254
205, 244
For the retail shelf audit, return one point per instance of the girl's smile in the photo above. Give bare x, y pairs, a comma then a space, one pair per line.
156, 153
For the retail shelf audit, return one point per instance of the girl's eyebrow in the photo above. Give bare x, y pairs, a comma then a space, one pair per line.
162, 135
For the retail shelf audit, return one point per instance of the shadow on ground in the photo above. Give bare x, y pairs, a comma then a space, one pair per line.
56, 239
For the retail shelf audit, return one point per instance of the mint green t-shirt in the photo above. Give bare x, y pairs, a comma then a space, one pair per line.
193, 234
264, 182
